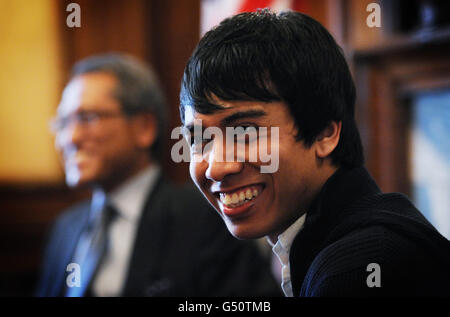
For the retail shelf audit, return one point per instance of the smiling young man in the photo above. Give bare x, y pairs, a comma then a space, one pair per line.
326, 218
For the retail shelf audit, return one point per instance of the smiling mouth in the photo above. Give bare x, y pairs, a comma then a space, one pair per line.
241, 196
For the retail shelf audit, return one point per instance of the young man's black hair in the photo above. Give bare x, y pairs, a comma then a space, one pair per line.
286, 57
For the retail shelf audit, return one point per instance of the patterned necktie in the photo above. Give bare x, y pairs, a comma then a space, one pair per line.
91, 249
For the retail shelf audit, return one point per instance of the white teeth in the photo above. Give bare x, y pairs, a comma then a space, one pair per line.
234, 198
238, 198
226, 200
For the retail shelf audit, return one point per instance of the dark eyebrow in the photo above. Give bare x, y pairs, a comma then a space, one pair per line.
234, 117
242, 115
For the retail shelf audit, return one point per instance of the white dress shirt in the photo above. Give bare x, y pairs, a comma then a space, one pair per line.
282, 248
129, 200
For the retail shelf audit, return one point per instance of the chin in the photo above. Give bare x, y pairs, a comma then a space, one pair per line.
242, 233
78, 179
246, 235
80, 183
73, 176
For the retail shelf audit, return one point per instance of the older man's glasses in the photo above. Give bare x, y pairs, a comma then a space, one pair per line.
85, 119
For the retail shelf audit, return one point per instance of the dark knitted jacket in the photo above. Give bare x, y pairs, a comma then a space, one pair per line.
350, 225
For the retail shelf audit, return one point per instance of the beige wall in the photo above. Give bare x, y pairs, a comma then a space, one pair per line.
30, 83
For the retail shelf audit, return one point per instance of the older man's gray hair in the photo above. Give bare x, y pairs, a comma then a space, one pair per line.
138, 90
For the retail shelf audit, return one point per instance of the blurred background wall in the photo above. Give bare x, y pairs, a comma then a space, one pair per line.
401, 69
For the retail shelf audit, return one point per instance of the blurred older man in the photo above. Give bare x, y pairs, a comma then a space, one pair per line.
139, 235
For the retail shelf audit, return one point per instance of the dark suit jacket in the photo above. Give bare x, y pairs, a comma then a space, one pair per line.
182, 248
352, 224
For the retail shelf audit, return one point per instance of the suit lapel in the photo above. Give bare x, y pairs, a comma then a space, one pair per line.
305, 247
68, 246
149, 240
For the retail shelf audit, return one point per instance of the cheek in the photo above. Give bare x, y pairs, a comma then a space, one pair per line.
197, 173
116, 142
61, 139
292, 174
298, 170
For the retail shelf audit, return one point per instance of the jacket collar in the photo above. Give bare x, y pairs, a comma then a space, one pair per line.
149, 239
343, 188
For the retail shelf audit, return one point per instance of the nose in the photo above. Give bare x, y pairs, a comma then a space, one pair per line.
219, 167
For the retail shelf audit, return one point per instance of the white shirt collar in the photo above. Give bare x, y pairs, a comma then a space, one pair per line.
129, 198
282, 248
287, 237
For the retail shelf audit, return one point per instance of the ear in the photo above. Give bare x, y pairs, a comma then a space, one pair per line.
328, 139
145, 130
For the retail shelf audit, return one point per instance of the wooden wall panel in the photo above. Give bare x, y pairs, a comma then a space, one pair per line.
175, 31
